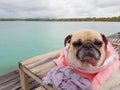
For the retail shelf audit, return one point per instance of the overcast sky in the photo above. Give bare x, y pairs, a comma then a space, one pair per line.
59, 8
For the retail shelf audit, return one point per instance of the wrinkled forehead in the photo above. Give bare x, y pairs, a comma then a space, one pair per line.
87, 36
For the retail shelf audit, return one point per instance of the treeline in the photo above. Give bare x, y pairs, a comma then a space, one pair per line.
112, 19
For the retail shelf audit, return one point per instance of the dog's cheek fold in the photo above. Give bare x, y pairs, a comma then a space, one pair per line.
79, 54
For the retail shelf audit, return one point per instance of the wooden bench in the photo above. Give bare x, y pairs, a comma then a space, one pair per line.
37, 68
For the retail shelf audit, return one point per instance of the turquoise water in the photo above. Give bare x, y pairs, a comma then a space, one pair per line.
20, 40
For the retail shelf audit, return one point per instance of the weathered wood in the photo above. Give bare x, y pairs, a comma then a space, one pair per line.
37, 58
34, 84
35, 77
14, 86
42, 61
42, 65
8, 77
40, 88
24, 80
11, 81
43, 69
116, 44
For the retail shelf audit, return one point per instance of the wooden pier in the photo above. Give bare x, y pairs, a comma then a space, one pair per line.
11, 81
32, 68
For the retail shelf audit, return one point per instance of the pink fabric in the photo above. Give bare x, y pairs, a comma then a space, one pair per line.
97, 78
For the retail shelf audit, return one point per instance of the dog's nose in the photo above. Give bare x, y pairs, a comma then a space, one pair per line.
88, 46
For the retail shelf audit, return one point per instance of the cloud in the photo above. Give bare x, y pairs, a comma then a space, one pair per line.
58, 8
107, 3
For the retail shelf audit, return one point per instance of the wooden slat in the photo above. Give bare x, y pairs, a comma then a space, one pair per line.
42, 61
35, 59
9, 83
45, 68
15, 86
8, 77
40, 88
24, 80
116, 44
42, 67
38, 79
34, 84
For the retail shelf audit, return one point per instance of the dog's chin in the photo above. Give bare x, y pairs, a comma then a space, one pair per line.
88, 64
90, 60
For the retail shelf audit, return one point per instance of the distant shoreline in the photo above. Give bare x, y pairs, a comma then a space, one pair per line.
106, 19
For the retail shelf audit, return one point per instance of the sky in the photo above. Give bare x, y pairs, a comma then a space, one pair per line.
59, 8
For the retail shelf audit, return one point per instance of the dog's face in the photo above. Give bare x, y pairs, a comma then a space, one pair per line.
86, 49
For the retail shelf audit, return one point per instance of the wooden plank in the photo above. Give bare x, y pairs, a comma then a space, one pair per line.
38, 79
40, 88
33, 73
24, 80
8, 77
43, 69
34, 59
15, 86
34, 84
9, 83
112, 39
42, 61
117, 44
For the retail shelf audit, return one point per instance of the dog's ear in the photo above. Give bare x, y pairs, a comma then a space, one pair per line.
104, 39
67, 39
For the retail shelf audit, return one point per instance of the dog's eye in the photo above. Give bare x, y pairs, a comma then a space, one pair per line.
77, 44
98, 43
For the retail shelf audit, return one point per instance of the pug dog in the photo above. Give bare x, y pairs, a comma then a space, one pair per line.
86, 49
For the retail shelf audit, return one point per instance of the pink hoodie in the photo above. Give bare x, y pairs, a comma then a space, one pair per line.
98, 76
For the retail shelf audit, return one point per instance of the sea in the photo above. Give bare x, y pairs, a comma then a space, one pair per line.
20, 40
